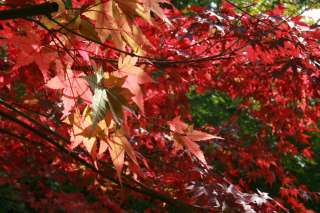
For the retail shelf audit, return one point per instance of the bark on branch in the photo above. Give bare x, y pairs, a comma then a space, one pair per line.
34, 10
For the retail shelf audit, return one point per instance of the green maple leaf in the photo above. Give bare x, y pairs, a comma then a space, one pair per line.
105, 100
99, 99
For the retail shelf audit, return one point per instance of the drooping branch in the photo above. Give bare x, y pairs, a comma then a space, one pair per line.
34, 10
45, 132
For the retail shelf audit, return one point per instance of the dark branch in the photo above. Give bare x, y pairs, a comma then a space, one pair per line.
34, 10
44, 133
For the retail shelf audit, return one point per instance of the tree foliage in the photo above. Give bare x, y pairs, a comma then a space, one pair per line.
291, 7
135, 105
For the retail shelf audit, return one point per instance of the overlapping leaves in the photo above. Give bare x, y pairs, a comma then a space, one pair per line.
108, 96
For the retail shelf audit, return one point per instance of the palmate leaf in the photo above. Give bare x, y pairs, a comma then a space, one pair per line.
113, 98
117, 98
117, 152
154, 6
83, 131
99, 99
99, 105
185, 136
74, 86
94, 80
115, 107
118, 145
135, 76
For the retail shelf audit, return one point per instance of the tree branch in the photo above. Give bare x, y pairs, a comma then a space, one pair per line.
34, 10
43, 133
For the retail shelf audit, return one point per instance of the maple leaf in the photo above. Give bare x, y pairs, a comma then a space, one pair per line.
84, 132
108, 96
99, 14
154, 6
135, 77
80, 133
118, 16
118, 100
185, 136
118, 145
74, 86
99, 100
116, 151
247, 69
31, 50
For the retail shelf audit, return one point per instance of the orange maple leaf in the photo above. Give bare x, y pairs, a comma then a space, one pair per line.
118, 145
135, 77
74, 86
